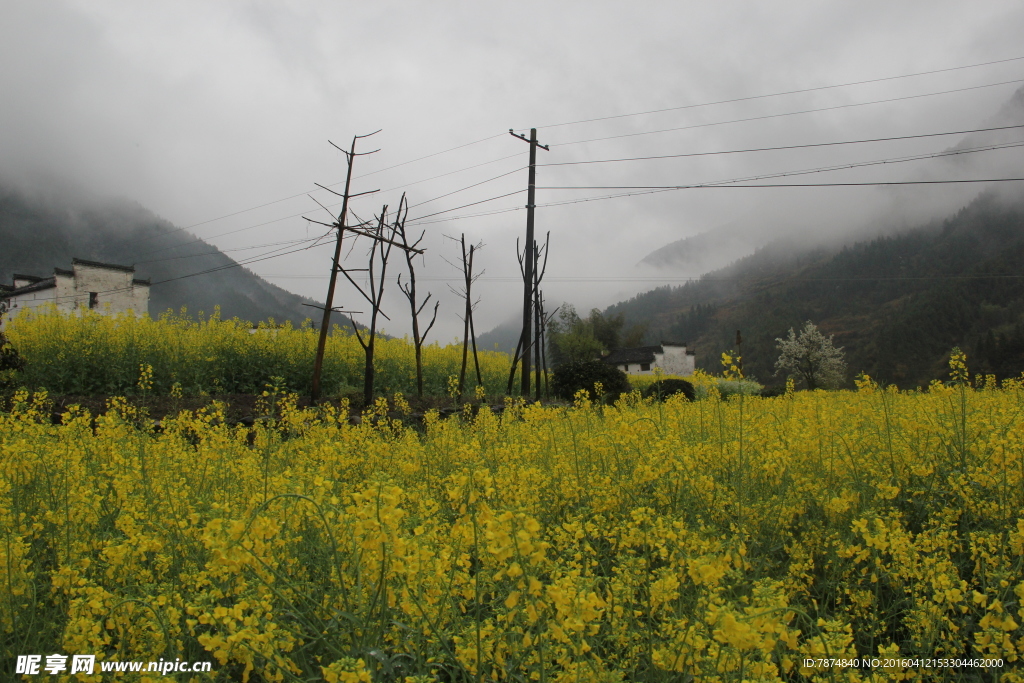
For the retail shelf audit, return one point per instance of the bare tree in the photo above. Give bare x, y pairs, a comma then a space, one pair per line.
469, 331
531, 346
538, 275
382, 240
341, 226
524, 345
545, 319
409, 290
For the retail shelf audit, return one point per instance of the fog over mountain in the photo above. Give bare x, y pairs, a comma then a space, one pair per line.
40, 232
216, 117
900, 210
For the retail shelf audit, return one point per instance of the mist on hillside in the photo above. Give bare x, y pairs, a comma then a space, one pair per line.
223, 126
43, 230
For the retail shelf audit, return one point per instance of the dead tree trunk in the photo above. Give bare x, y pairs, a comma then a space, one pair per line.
469, 331
410, 293
538, 275
340, 226
545, 319
524, 344
383, 239
515, 363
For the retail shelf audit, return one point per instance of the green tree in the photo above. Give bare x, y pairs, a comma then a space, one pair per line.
811, 357
571, 338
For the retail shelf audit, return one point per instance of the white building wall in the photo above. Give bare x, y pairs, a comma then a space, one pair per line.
140, 299
19, 303
676, 361
65, 298
115, 293
113, 289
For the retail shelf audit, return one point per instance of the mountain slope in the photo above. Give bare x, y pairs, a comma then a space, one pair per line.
898, 303
38, 235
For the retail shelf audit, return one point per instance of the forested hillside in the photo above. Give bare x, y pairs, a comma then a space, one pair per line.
897, 304
38, 235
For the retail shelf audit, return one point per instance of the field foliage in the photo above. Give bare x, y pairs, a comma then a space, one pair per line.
719, 540
91, 353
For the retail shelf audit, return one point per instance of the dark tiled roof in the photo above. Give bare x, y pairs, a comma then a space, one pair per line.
48, 283
689, 352
6, 288
30, 278
65, 273
97, 264
140, 281
642, 354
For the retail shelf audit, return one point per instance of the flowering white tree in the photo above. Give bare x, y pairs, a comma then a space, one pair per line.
811, 356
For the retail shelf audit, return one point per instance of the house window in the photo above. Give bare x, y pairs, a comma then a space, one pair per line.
645, 367
93, 299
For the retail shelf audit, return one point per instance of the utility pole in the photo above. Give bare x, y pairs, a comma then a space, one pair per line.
528, 259
339, 225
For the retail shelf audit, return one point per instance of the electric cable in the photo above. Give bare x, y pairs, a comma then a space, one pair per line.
783, 147
779, 94
791, 113
299, 215
303, 194
823, 169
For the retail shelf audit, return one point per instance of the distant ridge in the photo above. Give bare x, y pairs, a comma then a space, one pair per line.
704, 251
38, 235
897, 303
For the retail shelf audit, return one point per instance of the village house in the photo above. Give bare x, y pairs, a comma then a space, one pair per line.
105, 287
670, 358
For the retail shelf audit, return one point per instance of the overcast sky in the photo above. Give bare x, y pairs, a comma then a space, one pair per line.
198, 110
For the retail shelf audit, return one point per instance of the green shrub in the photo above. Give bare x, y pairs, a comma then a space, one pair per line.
667, 387
569, 378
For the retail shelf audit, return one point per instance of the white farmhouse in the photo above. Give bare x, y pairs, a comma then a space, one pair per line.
106, 287
670, 357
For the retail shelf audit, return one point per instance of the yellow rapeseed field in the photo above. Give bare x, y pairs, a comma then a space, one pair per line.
825, 536
92, 353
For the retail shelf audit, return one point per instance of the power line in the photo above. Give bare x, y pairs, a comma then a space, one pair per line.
461, 189
792, 113
656, 190
303, 194
784, 147
475, 142
653, 189
475, 215
194, 225
300, 214
671, 188
451, 149
224, 251
482, 201
518, 278
779, 94
734, 187
838, 167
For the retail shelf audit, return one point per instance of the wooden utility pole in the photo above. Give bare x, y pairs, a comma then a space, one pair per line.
339, 225
529, 257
